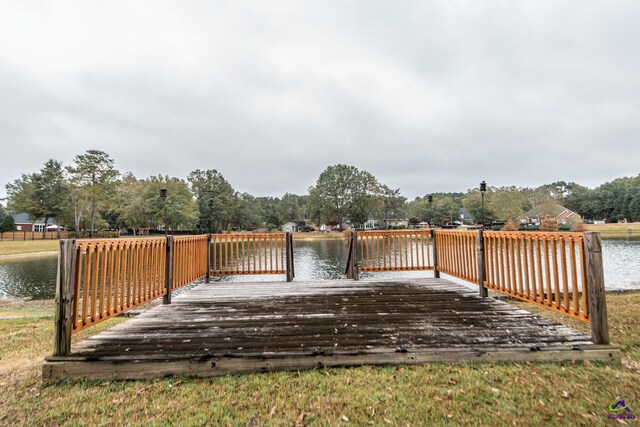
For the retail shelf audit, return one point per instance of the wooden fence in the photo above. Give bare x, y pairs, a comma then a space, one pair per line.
394, 250
32, 235
456, 251
552, 270
98, 279
54, 235
234, 254
190, 259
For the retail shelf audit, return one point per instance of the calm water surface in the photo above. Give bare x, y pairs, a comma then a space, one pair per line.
314, 260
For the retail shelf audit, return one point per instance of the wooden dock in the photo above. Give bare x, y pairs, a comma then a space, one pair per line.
223, 328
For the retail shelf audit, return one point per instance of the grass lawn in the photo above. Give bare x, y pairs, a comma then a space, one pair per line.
434, 394
334, 235
631, 229
29, 246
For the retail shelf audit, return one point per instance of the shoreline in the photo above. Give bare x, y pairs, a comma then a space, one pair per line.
22, 255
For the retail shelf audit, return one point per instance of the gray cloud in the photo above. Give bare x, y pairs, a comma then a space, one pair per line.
427, 96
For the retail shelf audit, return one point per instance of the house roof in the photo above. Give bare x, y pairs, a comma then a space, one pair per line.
23, 218
551, 210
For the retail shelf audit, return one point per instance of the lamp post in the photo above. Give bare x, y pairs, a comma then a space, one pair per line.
430, 201
210, 204
483, 189
163, 196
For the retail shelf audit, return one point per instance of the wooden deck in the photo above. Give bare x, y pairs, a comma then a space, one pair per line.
222, 328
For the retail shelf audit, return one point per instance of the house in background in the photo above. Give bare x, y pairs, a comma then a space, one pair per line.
24, 223
372, 224
554, 211
294, 226
465, 217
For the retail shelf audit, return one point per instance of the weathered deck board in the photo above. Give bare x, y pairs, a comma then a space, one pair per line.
221, 328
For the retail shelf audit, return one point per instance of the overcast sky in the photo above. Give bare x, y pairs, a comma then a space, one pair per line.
428, 96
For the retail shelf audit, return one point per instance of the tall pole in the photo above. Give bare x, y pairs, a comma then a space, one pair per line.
483, 189
163, 196
430, 200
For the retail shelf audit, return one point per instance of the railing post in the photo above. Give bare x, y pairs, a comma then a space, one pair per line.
207, 278
595, 288
436, 272
354, 259
482, 267
289, 256
168, 271
65, 290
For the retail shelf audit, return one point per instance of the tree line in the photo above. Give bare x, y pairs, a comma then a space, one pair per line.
91, 194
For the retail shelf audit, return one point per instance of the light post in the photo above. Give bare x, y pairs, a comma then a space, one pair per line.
163, 196
210, 204
430, 201
483, 189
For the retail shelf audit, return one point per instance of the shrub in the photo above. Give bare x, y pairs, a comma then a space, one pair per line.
564, 227
549, 224
579, 226
510, 226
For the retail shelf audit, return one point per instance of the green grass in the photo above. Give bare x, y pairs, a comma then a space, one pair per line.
29, 246
631, 229
433, 394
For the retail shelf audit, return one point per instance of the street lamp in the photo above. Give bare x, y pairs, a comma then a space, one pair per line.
430, 201
210, 204
163, 196
483, 189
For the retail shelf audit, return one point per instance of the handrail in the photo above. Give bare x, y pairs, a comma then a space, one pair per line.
389, 250
456, 254
241, 254
115, 275
546, 269
190, 259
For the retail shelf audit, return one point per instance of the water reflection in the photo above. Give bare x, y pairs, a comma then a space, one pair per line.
28, 278
621, 259
314, 260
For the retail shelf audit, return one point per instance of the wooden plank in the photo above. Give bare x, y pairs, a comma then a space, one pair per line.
348, 323
217, 366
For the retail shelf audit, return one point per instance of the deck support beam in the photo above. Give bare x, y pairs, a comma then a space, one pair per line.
65, 290
436, 272
482, 268
207, 277
289, 257
595, 286
168, 272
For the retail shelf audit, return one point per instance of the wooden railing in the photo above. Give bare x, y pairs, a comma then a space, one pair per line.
190, 259
112, 276
269, 253
456, 252
397, 250
547, 269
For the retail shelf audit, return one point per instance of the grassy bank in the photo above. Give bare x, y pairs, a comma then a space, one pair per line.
29, 246
435, 394
334, 235
612, 231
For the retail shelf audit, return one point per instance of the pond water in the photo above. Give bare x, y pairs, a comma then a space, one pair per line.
314, 260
